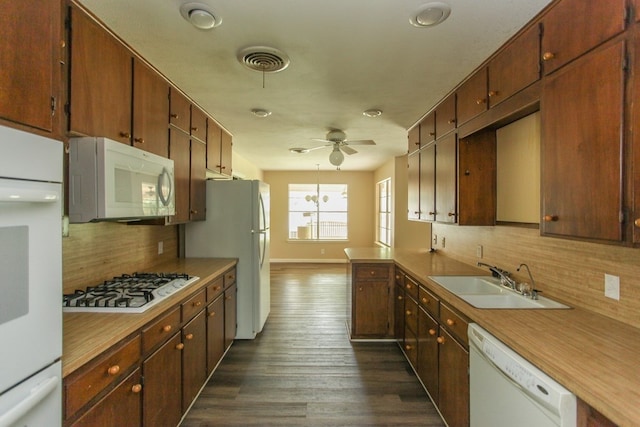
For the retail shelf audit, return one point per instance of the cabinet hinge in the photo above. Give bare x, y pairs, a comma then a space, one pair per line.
628, 15
621, 217
67, 109
625, 62
142, 380
53, 105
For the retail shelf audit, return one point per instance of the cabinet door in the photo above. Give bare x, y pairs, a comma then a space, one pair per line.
100, 90
370, 312
446, 116
413, 139
230, 318
198, 124
516, 67
472, 96
428, 353
179, 152
215, 333
194, 359
477, 179
413, 187
150, 110
226, 154
179, 110
162, 404
399, 299
635, 148
29, 43
453, 393
427, 183
591, 23
411, 346
428, 129
121, 407
446, 179
198, 181
214, 140
581, 147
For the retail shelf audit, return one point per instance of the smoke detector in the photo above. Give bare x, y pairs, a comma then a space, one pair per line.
263, 59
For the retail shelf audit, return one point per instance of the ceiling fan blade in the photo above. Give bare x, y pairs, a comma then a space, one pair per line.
305, 150
347, 150
322, 140
360, 142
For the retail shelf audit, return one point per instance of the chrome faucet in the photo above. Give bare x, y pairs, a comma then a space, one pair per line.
505, 279
534, 291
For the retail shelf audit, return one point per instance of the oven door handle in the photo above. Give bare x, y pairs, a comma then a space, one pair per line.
27, 191
36, 395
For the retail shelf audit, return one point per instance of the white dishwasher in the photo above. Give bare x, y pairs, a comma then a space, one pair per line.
507, 391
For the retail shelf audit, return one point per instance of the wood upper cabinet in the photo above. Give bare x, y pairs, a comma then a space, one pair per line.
214, 140
150, 110
445, 179
472, 96
198, 181
31, 48
194, 358
477, 175
413, 139
413, 186
179, 110
226, 154
582, 147
100, 82
198, 124
428, 129
446, 116
515, 67
427, 191
180, 153
572, 27
162, 371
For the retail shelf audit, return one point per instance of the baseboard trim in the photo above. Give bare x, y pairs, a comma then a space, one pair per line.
309, 261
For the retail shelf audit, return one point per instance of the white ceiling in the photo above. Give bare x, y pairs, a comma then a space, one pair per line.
346, 56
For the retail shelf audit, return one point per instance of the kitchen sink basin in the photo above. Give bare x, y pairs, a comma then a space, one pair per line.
486, 292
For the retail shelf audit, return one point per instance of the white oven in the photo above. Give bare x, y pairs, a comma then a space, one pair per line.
31, 279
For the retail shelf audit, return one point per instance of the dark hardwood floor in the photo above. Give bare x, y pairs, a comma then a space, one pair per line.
302, 370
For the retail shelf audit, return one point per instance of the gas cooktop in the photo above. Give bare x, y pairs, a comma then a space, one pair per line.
127, 293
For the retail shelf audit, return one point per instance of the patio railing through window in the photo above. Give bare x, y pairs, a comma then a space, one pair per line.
324, 230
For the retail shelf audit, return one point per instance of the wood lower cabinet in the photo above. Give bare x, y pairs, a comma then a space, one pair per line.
427, 368
581, 153
30, 77
215, 333
194, 358
589, 417
453, 380
230, 314
121, 407
371, 286
162, 402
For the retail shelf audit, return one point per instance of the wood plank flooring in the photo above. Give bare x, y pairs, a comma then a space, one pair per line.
302, 370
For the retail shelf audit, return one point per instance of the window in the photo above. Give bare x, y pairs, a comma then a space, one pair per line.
384, 212
318, 212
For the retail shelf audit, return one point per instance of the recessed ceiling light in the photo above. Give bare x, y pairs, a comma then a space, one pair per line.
200, 15
259, 112
372, 113
430, 14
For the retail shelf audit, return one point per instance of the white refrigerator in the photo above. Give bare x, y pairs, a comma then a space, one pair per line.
237, 226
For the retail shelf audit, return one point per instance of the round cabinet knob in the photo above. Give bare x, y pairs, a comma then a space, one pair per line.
188, 337
113, 370
450, 322
637, 222
432, 332
451, 214
126, 135
432, 213
408, 312
432, 134
440, 340
493, 93
136, 388
194, 212
399, 297
175, 116
212, 314
166, 328
408, 286
361, 288
139, 140
425, 300
417, 143
197, 303
451, 121
372, 273
179, 346
548, 56
195, 129
550, 218
480, 101
408, 347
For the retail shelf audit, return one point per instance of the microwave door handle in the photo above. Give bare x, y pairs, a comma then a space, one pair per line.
164, 177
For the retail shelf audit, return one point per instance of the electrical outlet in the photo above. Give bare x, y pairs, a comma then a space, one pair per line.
160, 247
321, 251
443, 241
435, 239
479, 251
612, 286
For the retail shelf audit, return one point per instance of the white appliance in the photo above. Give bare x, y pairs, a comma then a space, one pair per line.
507, 390
31, 283
113, 181
237, 226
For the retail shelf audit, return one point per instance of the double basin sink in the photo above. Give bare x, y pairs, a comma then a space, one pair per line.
487, 292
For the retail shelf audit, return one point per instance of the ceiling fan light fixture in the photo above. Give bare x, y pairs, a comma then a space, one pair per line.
299, 150
430, 14
260, 112
372, 113
336, 157
200, 16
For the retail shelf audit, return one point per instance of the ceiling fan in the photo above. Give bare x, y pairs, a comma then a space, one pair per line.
338, 140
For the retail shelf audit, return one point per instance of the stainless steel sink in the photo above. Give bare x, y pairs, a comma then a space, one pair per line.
486, 292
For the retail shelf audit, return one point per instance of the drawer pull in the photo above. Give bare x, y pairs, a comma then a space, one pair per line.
432, 332
480, 101
425, 300
229, 297
179, 346
136, 388
195, 129
175, 116
372, 272
408, 347
216, 288
399, 297
451, 322
440, 340
550, 218
213, 313
188, 336
408, 286
637, 222
361, 288
113, 370
548, 56
166, 328
408, 313
493, 93
451, 121
197, 303
126, 135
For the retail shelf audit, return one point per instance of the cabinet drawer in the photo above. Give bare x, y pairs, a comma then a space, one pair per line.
229, 278
372, 272
411, 287
411, 314
214, 288
454, 323
160, 330
193, 305
429, 301
106, 370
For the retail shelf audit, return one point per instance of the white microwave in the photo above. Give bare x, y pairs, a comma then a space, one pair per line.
109, 180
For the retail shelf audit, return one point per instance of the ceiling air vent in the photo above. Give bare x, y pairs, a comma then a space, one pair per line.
264, 59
